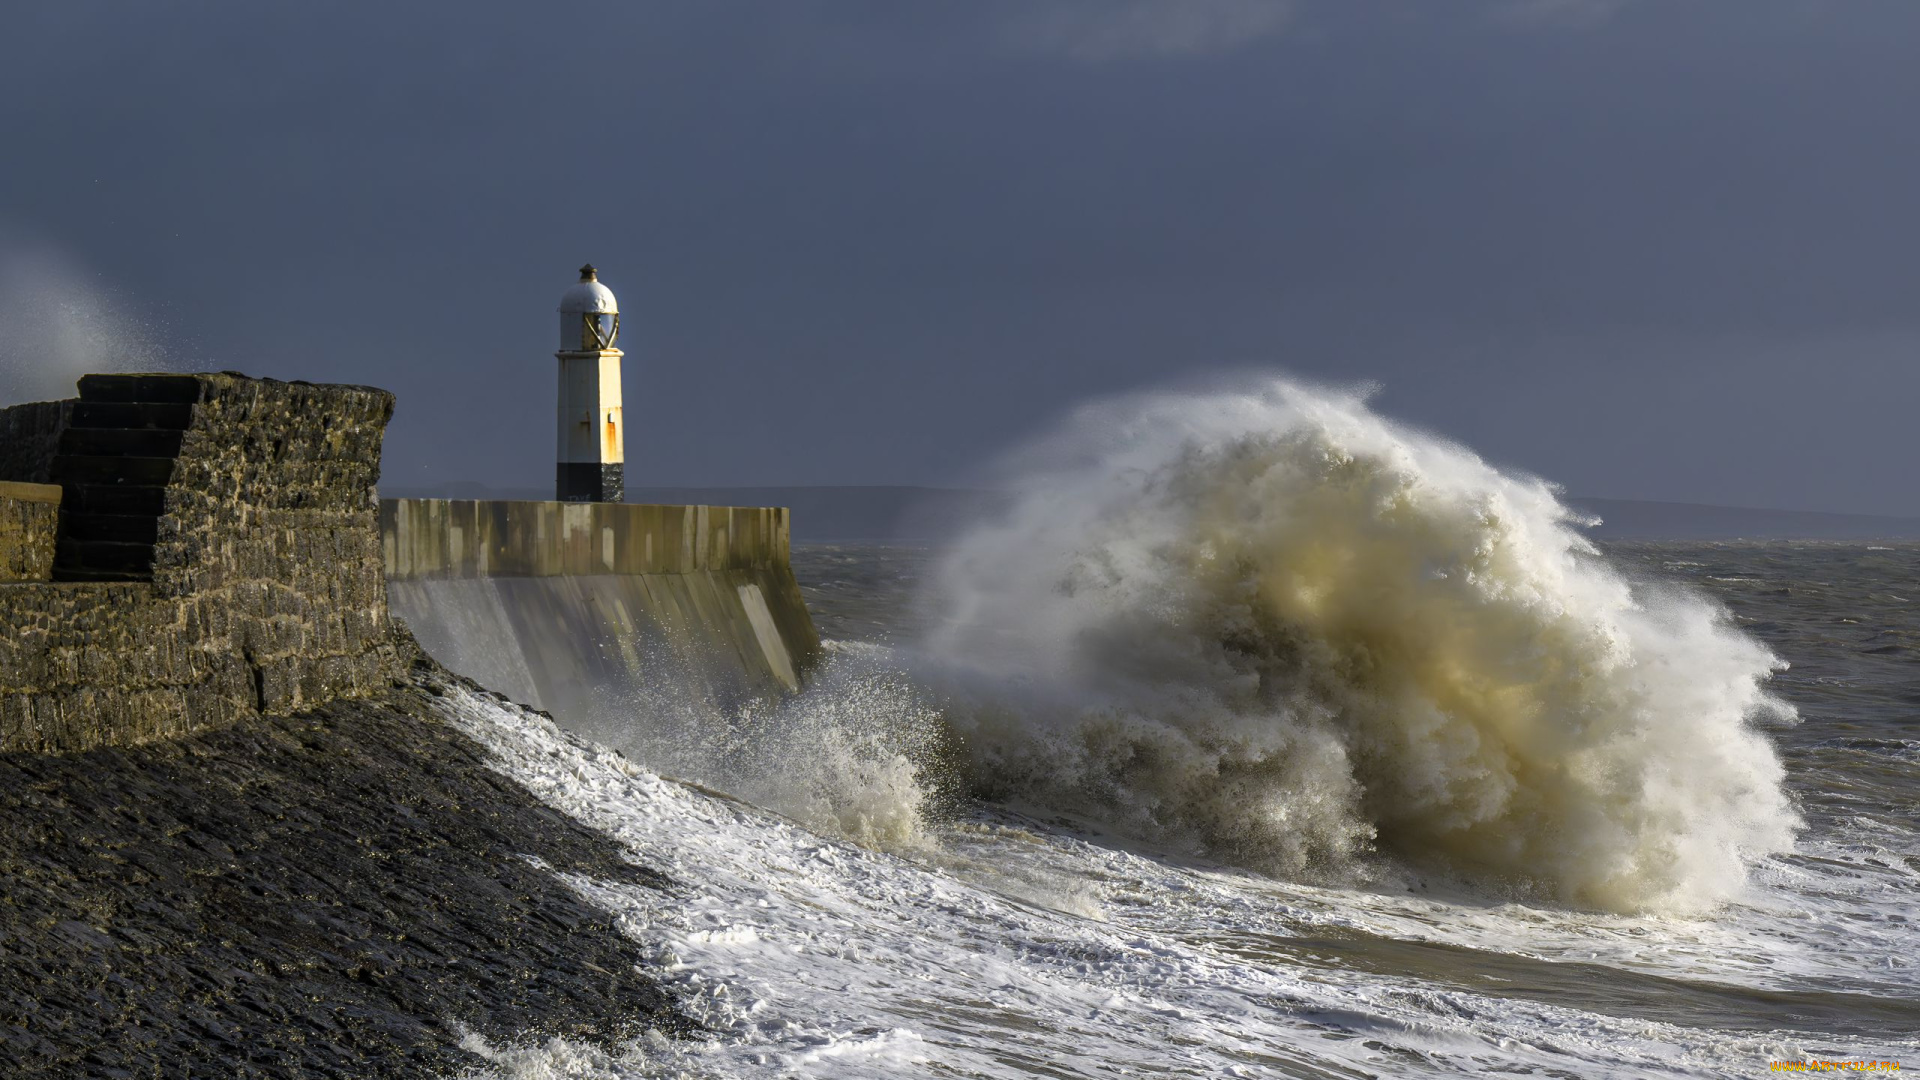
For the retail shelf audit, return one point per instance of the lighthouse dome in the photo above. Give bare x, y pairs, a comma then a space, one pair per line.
589, 317
588, 296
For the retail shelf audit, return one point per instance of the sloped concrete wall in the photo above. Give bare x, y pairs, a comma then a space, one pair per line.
564, 605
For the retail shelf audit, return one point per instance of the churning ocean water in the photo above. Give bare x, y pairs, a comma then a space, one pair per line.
1262, 737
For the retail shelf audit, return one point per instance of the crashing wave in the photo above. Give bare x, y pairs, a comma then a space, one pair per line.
1275, 627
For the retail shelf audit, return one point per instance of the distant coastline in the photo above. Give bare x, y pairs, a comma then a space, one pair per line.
1630, 519
830, 514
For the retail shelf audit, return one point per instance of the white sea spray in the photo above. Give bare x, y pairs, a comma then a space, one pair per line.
1274, 626
852, 755
58, 323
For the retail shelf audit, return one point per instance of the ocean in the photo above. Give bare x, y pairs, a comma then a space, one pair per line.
1264, 737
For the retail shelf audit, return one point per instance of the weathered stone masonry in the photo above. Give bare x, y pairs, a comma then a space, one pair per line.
29, 520
218, 558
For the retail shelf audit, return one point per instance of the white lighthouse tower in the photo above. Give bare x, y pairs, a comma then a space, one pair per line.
593, 435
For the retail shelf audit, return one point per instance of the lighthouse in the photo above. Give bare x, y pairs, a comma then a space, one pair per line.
593, 435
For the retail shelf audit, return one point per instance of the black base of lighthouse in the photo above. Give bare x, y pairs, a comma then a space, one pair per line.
590, 482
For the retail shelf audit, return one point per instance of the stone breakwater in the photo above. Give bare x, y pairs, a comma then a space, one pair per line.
236, 839
334, 894
218, 559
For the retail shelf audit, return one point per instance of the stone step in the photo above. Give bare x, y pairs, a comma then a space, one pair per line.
112, 470
121, 442
101, 557
68, 574
133, 499
121, 528
183, 389
119, 414
115, 459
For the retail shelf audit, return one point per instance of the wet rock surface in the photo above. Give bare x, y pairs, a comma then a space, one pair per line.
331, 894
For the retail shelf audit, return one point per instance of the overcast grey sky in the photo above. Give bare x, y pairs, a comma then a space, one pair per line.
1660, 249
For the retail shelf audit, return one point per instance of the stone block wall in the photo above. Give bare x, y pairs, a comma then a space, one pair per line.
29, 435
29, 517
267, 592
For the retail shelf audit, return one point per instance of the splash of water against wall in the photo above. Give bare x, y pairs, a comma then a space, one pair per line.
858, 753
1272, 626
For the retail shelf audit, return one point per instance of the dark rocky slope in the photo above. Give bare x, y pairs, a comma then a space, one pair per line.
332, 894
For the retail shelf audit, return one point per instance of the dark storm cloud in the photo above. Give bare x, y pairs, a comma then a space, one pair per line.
1654, 249
1094, 31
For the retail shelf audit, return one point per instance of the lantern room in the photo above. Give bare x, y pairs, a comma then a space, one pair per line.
589, 315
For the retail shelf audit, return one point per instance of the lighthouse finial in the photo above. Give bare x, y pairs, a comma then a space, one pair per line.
588, 273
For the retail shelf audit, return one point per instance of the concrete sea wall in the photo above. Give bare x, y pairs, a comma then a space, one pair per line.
573, 606
217, 557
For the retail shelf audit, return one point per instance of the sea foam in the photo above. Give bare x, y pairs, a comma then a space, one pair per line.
1272, 626
857, 753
